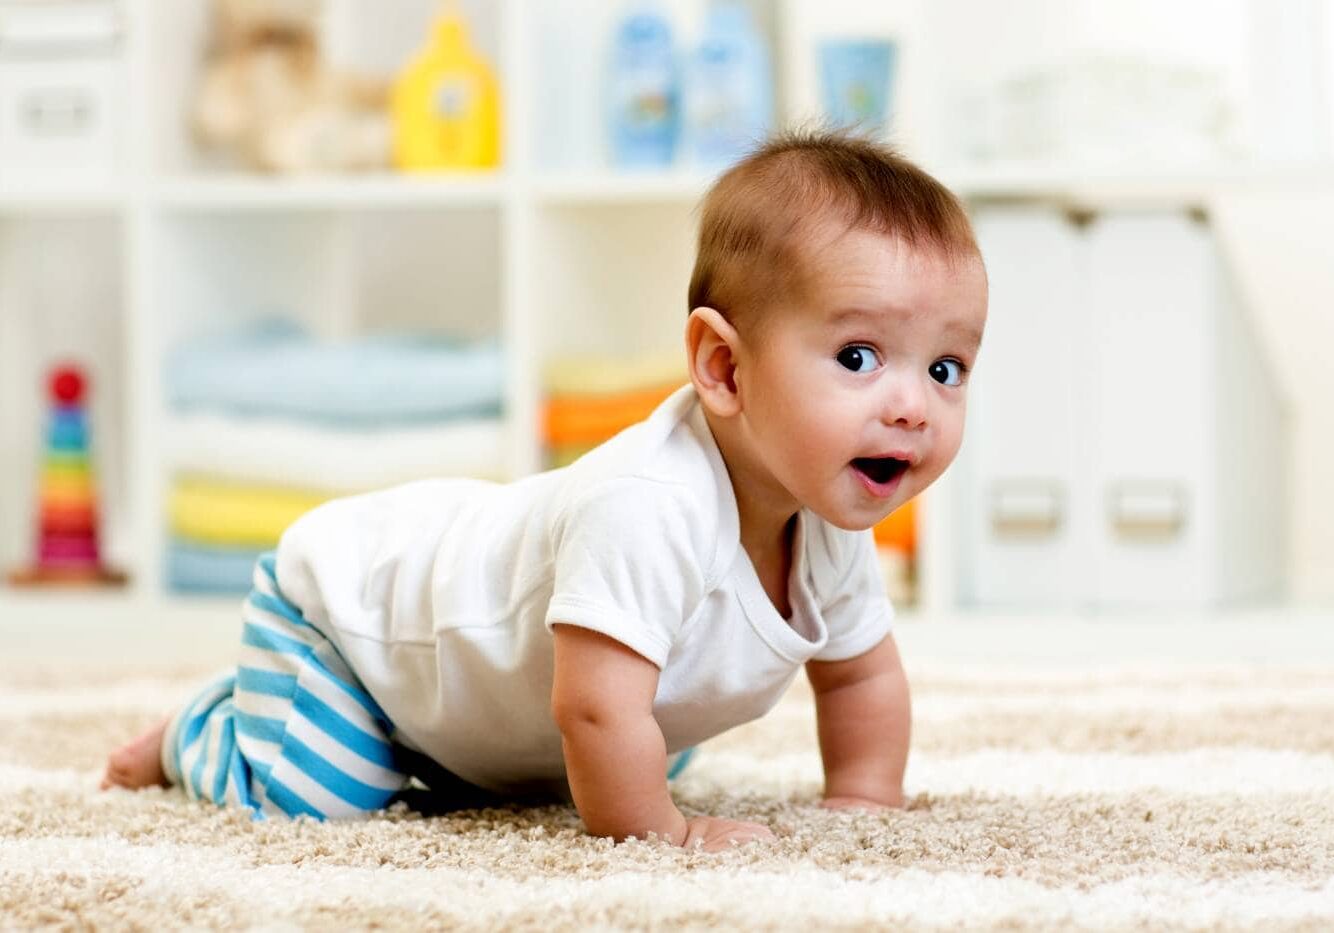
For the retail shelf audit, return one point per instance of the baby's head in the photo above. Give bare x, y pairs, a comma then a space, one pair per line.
836, 308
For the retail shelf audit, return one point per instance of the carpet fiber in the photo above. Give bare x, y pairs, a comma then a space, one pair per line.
1198, 799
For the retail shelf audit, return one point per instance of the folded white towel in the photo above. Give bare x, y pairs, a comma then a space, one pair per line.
270, 451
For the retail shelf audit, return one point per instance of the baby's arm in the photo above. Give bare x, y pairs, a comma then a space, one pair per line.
864, 716
615, 754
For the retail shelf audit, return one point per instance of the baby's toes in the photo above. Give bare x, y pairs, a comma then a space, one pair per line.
118, 768
110, 777
128, 767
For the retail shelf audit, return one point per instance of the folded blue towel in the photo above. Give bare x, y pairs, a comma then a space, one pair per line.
201, 569
280, 371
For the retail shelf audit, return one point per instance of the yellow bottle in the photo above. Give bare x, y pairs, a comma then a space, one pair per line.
446, 104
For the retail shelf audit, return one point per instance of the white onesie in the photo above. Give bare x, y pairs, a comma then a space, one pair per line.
441, 595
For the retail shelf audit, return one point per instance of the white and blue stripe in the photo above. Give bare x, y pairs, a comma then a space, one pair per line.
292, 731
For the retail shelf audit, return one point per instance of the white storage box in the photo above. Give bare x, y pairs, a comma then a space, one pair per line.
61, 93
1190, 445
1126, 442
1027, 525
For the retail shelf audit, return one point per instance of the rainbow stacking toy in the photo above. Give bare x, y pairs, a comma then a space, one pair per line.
67, 548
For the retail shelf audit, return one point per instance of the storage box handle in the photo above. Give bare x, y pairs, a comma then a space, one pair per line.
57, 111
1026, 508
1147, 510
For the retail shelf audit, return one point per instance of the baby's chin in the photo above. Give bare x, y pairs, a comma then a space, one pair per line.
857, 522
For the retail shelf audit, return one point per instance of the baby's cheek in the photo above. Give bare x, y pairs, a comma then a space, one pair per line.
946, 448
827, 424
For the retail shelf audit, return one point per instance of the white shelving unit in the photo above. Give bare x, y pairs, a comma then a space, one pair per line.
553, 253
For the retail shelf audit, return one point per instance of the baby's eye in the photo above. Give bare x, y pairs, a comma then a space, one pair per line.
947, 372
857, 359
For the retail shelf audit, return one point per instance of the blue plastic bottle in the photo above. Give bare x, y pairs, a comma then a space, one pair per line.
729, 88
643, 91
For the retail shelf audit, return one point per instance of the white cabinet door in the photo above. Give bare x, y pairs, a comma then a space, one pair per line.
1021, 516
1150, 367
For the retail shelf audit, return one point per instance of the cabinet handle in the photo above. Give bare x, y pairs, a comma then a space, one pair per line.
1147, 510
57, 112
1026, 508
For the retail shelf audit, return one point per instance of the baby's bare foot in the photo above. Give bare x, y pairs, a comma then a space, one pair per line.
137, 763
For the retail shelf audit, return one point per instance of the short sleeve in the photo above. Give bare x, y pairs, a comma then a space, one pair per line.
627, 564
850, 587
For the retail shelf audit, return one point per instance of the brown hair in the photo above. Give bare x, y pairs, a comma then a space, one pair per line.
753, 218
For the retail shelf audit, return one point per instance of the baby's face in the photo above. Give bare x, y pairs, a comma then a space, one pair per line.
856, 390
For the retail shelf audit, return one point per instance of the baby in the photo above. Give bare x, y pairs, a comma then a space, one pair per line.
579, 631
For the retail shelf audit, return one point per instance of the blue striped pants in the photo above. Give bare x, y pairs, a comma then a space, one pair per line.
292, 731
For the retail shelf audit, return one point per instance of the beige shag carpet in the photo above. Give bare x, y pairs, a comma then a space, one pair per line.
1179, 799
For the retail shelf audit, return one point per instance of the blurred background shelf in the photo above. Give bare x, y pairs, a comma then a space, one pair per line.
61, 199
1143, 183
335, 192
622, 188
557, 256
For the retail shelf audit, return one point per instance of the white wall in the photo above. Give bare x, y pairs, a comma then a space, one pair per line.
1280, 244
978, 46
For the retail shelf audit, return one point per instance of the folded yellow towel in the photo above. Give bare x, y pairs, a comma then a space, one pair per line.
209, 512
592, 375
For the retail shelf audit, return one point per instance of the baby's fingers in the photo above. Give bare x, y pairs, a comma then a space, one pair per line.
735, 834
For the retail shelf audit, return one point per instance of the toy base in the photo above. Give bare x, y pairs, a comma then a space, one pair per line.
67, 576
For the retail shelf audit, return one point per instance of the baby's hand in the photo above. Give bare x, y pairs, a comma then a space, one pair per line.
714, 834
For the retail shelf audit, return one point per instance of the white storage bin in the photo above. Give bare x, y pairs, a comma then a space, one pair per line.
1027, 527
1126, 442
61, 93
1189, 445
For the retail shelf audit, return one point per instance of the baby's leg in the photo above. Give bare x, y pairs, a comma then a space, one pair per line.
138, 763
152, 758
290, 730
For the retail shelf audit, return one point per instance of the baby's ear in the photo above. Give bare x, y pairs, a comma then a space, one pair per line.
711, 345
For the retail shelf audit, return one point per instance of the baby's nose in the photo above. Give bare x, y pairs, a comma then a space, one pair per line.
905, 402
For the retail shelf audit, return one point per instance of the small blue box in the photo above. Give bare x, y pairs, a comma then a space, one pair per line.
856, 81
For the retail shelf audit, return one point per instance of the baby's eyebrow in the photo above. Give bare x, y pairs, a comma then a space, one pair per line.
845, 315
967, 331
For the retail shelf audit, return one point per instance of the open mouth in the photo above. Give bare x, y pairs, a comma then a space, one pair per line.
880, 470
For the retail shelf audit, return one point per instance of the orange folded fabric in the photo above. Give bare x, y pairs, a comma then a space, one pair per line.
589, 419
898, 531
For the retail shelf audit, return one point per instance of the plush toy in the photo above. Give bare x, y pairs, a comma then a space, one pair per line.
270, 99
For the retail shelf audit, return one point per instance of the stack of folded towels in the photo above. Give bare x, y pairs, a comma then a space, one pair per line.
269, 423
590, 399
